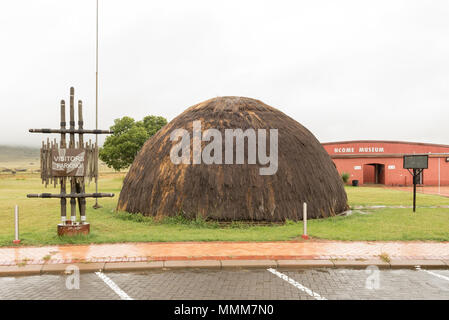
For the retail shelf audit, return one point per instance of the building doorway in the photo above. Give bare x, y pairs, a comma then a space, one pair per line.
374, 173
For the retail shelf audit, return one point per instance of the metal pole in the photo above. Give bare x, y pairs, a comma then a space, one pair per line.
16, 223
80, 186
96, 206
304, 218
439, 181
414, 189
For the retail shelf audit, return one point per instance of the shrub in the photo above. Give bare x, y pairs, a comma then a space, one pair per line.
345, 176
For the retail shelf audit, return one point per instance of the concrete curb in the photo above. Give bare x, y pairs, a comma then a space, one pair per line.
181, 264
61, 267
38, 269
427, 264
26, 270
305, 264
362, 264
133, 266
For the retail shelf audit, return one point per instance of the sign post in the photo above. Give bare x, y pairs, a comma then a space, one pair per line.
71, 163
417, 163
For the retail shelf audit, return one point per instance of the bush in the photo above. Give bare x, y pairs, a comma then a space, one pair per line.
345, 176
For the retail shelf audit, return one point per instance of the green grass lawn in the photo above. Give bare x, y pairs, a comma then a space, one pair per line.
39, 217
370, 196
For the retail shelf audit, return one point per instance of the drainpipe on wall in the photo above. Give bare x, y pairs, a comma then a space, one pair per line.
439, 175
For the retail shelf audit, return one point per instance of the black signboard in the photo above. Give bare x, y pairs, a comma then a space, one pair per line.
416, 162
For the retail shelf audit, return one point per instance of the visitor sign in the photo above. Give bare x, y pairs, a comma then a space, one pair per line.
68, 162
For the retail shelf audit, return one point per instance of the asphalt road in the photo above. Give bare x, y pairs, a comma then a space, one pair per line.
308, 284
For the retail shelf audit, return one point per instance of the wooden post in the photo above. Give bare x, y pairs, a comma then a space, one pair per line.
80, 186
63, 179
72, 145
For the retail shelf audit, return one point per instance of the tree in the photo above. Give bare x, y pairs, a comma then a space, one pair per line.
120, 148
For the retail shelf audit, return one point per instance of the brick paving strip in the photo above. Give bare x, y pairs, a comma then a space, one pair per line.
219, 255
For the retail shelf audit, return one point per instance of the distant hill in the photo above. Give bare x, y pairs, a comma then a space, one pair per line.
18, 153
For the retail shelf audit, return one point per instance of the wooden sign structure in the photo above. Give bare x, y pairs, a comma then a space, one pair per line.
70, 165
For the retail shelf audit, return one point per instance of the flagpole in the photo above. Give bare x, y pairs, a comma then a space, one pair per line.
96, 206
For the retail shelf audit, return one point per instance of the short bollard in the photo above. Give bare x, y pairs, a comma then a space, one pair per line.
304, 218
16, 222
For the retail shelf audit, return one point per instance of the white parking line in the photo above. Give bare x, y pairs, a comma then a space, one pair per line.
122, 294
297, 284
433, 273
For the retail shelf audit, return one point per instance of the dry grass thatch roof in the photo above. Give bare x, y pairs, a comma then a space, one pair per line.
155, 186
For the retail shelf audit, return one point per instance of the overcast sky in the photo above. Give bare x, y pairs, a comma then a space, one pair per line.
344, 69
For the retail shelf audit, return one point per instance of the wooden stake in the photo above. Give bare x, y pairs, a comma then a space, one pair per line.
63, 179
72, 145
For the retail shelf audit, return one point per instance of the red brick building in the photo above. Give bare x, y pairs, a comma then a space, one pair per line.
381, 161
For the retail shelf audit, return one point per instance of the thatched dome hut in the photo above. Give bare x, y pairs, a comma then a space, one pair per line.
155, 186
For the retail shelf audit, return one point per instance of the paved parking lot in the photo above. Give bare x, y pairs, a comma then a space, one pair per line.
304, 284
